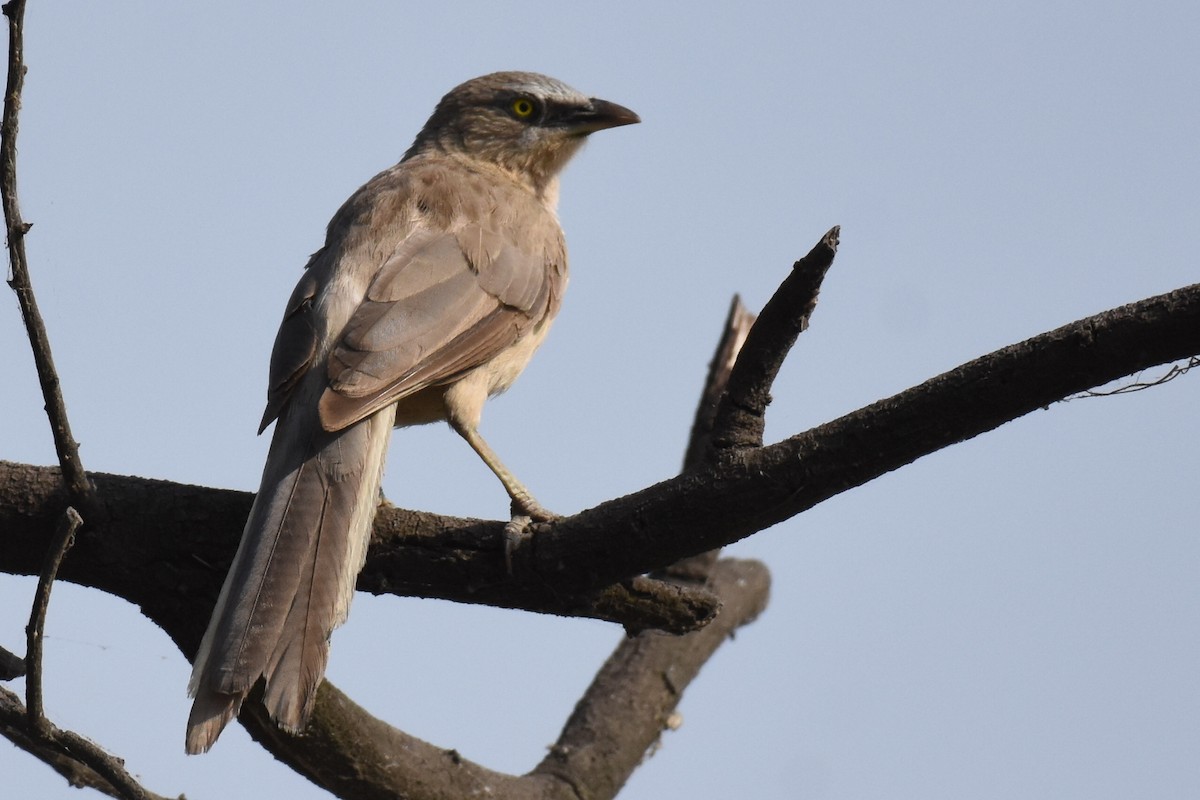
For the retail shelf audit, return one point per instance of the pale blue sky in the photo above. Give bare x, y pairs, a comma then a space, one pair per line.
1013, 617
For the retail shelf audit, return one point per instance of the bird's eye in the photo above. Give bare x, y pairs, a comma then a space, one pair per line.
522, 108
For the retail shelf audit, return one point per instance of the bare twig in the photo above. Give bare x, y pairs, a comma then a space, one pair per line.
78, 486
38, 736
738, 324
77, 759
12, 666
740, 416
14, 726
64, 537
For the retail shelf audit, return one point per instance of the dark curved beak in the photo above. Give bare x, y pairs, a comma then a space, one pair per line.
599, 115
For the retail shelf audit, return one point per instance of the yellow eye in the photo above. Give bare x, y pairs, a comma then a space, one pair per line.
522, 108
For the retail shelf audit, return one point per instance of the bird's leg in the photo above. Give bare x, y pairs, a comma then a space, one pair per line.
523, 503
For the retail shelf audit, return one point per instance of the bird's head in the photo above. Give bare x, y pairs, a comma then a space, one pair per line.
528, 124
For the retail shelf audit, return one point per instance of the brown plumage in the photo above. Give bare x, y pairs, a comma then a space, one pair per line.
437, 281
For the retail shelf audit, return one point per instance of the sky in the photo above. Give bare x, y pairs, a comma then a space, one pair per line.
1015, 616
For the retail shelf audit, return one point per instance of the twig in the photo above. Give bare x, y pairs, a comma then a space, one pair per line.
64, 537
78, 760
12, 666
740, 416
41, 738
45, 740
78, 486
14, 726
738, 324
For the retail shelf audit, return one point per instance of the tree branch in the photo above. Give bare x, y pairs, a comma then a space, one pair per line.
64, 536
14, 723
18, 279
740, 417
12, 666
623, 714
433, 556
631, 700
738, 324
353, 754
68, 753
77, 759
619, 718
750, 490
736, 495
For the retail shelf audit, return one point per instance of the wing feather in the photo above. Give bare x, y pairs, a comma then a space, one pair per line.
435, 311
295, 347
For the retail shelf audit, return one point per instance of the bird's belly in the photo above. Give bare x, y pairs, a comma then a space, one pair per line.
502, 371
422, 408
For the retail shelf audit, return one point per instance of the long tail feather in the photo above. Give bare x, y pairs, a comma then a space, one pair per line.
293, 576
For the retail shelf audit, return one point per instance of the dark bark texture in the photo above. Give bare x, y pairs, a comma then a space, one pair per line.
165, 546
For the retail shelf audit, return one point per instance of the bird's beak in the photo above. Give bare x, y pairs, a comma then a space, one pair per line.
601, 114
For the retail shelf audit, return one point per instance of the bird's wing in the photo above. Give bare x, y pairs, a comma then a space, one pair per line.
443, 303
295, 345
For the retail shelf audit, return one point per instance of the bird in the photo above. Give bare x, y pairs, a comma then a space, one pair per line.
437, 281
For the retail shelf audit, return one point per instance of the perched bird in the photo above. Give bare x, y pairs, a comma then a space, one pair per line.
437, 281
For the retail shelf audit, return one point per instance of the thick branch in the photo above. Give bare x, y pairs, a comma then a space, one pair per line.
175, 579
754, 489
427, 555
353, 754
630, 702
730, 499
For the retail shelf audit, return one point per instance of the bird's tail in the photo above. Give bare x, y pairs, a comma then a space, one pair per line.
293, 576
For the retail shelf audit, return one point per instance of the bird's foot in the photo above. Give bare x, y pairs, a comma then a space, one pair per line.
525, 512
